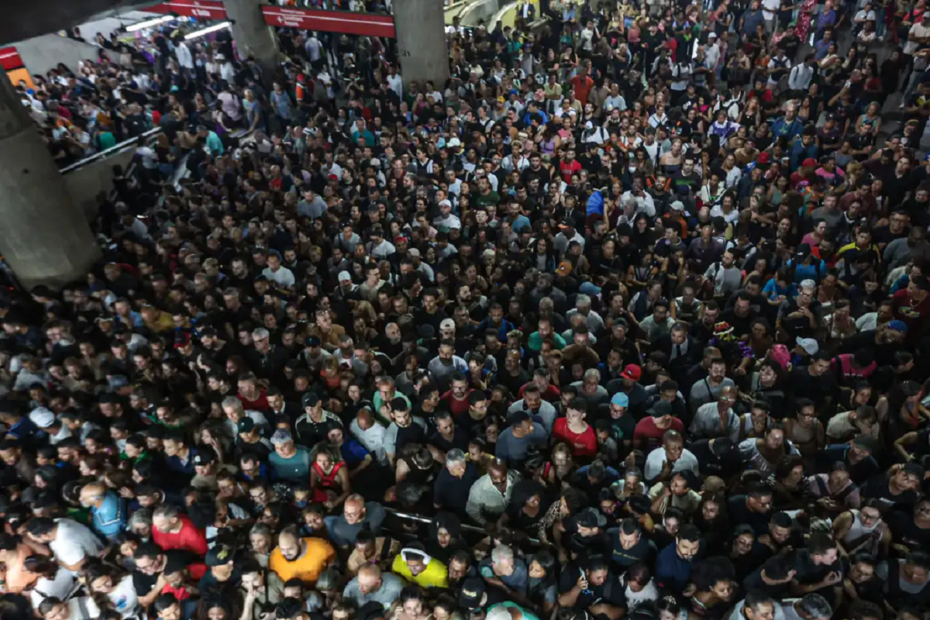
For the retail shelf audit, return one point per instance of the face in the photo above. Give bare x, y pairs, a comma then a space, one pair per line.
290, 547
687, 549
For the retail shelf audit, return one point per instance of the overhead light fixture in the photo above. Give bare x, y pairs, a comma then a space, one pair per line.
149, 23
207, 30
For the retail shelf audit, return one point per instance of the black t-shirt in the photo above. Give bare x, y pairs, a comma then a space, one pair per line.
608, 592
740, 514
905, 531
711, 464
808, 572
643, 551
877, 487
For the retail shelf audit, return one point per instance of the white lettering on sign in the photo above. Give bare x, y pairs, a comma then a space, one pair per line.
292, 22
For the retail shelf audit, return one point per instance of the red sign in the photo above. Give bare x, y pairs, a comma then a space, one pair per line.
347, 22
10, 59
200, 9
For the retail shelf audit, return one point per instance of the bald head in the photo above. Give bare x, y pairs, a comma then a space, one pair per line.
92, 494
369, 578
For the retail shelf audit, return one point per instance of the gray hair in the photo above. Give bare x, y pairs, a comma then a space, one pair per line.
592, 373
582, 300
260, 528
455, 455
501, 553
142, 516
165, 511
260, 334
816, 606
807, 284
234, 403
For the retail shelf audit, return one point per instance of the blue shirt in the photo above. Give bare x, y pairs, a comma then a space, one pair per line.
214, 144
672, 572
110, 518
807, 272
295, 468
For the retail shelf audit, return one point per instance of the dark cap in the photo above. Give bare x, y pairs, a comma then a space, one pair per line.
661, 408
207, 332
312, 341
915, 469
219, 555
245, 425
472, 593
310, 399
204, 458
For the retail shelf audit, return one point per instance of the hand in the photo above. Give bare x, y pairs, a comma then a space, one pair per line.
328, 505
127, 493
832, 579
582, 583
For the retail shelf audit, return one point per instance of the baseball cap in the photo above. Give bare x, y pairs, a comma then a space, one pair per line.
898, 326
218, 556
310, 399
661, 408
564, 268
620, 400
42, 417
915, 469
677, 206
454, 143
415, 253
204, 458
208, 332
313, 341
447, 324
763, 159
245, 425
804, 250
472, 593
181, 339
344, 275
810, 161
632, 371
809, 345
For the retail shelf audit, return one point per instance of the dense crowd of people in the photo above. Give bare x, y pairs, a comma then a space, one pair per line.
625, 319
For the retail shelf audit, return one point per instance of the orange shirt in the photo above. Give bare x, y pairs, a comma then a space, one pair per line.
308, 567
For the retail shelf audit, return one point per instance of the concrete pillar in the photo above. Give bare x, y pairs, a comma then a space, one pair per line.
253, 37
421, 41
43, 235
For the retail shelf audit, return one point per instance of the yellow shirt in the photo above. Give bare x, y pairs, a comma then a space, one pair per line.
308, 567
435, 576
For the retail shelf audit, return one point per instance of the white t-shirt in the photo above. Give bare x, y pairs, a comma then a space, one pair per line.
74, 542
123, 598
917, 31
769, 8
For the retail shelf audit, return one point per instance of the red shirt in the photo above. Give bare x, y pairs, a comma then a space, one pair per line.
646, 430
583, 85
259, 404
914, 315
551, 395
567, 169
582, 444
457, 407
189, 538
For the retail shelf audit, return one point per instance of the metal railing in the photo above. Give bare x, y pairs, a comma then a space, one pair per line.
118, 148
406, 516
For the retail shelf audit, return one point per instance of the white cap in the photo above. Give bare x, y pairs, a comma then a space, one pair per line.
447, 324
454, 143
677, 206
413, 252
445, 203
375, 163
344, 275
809, 345
42, 417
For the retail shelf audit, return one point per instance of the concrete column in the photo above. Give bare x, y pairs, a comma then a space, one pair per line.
43, 235
421, 41
253, 37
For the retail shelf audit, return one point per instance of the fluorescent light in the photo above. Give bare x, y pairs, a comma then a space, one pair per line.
207, 30
149, 23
